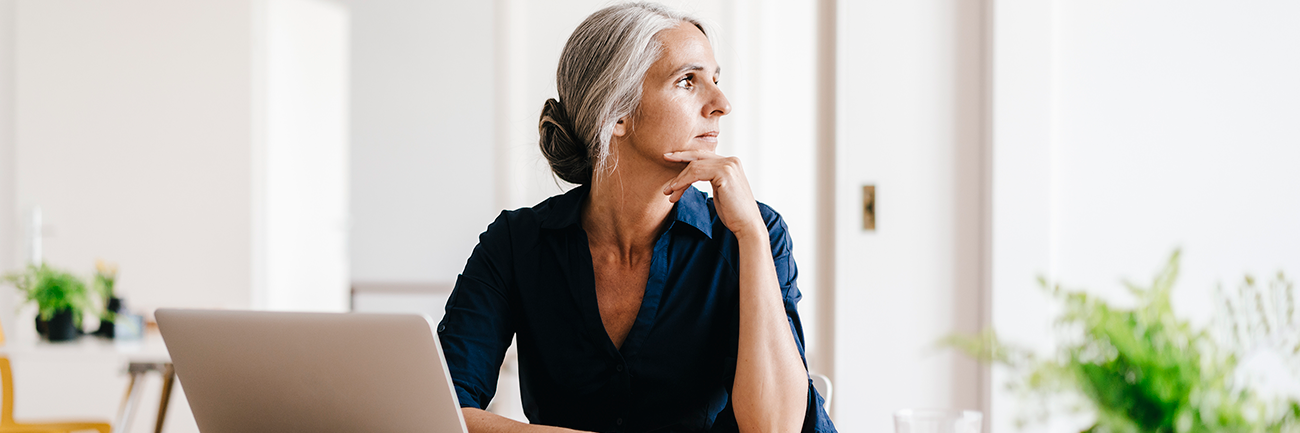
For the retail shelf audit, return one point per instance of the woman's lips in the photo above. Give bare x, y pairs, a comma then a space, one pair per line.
711, 136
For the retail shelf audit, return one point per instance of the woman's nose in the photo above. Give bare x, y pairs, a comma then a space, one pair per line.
718, 104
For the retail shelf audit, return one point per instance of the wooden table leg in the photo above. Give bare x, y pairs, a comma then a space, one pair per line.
168, 376
124, 412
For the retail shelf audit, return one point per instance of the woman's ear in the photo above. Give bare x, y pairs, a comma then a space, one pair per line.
620, 128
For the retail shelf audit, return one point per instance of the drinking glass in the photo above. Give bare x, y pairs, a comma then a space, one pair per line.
937, 421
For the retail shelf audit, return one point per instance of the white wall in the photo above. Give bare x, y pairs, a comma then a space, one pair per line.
305, 158
1020, 184
909, 122
133, 122
1182, 135
150, 134
422, 137
9, 230
1124, 130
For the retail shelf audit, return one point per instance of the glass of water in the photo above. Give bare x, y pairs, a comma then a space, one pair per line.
937, 421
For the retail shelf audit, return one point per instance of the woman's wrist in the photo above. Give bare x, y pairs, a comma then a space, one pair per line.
751, 232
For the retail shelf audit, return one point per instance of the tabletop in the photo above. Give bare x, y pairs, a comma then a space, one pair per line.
149, 348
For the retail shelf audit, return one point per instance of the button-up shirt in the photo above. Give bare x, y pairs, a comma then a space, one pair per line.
531, 278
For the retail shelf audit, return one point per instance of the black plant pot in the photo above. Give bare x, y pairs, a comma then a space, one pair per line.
107, 327
42, 327
62, 327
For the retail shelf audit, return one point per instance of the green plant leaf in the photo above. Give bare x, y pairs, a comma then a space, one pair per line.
1143, 369
52, 290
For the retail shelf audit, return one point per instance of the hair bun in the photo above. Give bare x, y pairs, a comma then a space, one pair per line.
565, 152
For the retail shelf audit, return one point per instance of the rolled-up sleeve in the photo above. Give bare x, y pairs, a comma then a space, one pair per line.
787, 274
476, 330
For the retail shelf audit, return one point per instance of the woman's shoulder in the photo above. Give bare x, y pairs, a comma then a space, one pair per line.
777, 232
770, 215
775, 223
554, 212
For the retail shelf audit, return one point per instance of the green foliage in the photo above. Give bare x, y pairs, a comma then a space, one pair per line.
1139, 369
52, 290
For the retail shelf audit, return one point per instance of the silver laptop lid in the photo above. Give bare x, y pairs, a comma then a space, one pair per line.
250, 371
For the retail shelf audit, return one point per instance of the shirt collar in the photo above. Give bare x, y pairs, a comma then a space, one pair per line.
693, 209
564, 210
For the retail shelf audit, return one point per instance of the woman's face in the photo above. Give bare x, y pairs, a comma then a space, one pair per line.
681, 104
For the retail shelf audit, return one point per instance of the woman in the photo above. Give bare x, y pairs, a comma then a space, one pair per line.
638, 303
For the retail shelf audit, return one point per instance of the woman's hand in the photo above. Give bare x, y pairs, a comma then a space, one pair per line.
732, 197
481, 421
771, 385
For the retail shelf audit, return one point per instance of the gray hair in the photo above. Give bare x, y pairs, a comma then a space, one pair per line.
599, 82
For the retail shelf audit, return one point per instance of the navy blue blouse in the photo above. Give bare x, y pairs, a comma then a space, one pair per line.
531, 277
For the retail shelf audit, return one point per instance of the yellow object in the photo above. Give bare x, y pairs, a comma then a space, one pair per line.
7, 423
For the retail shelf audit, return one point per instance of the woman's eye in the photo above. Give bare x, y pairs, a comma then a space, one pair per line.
685, 82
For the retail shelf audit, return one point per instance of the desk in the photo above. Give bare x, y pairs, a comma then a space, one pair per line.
140, 357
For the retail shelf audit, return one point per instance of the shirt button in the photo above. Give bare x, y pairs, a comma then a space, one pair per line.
619, 368
442, 327
619, 421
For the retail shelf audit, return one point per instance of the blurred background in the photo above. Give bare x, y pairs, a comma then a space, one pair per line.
932, 158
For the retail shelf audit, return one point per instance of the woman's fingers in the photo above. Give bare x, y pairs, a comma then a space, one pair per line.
678, 185
691, 174
676, 195
690, 155
734, 201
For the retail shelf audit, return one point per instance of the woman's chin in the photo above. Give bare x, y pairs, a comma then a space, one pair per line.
704, 144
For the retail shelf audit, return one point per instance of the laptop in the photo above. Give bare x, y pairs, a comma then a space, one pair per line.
255, 371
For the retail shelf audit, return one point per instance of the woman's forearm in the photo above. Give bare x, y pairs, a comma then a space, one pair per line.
771, 388
482, 421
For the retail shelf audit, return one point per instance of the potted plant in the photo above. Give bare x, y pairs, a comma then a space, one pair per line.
1143, 369
60, 297
105, 280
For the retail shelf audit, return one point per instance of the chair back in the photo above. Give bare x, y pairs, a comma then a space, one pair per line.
823, 385
7, 406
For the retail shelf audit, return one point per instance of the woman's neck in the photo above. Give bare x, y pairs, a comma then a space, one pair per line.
626, 208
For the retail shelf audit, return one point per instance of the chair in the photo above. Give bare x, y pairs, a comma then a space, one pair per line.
7, 423
823, 385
